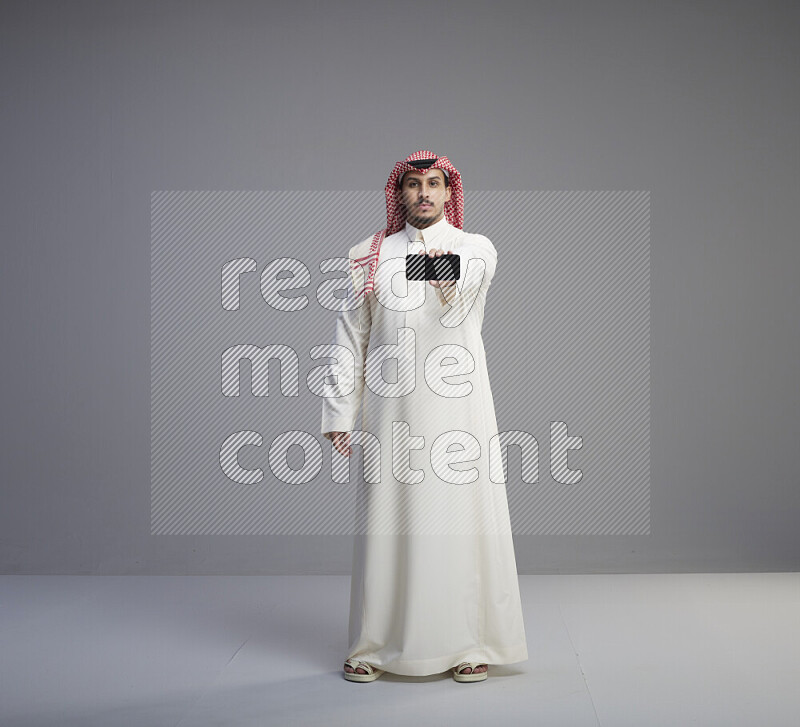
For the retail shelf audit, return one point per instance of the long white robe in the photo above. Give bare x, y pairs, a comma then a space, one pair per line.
434, 578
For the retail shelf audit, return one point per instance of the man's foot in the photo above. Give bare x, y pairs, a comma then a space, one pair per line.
468, 669
356, 670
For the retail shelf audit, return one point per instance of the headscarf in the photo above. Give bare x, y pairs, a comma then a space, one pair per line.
419, 161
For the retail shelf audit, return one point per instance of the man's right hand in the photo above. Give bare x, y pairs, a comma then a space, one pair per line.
341, 440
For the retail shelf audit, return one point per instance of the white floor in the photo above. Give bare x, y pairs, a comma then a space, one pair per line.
612, 650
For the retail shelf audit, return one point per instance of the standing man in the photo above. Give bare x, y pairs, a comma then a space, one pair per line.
434, 584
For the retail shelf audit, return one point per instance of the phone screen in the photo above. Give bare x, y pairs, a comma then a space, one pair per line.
425, 267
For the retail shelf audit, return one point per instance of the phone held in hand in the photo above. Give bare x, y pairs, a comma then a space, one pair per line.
425, 267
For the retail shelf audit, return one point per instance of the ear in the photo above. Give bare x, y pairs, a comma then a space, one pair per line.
449, 193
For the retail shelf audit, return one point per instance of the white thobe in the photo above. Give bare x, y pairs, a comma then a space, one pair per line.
434, 578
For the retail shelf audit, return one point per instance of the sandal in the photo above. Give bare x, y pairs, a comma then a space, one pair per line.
372, 672
473, 676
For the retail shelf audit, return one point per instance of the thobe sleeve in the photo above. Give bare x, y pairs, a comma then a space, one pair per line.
352, 330
478, 262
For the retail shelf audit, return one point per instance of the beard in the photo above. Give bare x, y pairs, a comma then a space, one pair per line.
416, 214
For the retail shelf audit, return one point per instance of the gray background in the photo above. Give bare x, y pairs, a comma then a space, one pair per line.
105, 102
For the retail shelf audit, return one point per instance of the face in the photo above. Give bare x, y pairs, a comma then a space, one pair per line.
423, 196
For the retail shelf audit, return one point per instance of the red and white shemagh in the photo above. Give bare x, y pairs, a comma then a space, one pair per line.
396, 215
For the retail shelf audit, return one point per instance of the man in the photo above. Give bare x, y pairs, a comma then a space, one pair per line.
434, 584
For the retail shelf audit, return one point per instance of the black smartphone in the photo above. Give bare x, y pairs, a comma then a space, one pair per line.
425, 267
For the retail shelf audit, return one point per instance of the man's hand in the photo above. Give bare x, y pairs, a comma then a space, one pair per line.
436, 252
341, 440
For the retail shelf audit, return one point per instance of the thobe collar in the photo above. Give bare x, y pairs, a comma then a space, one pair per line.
429, 233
